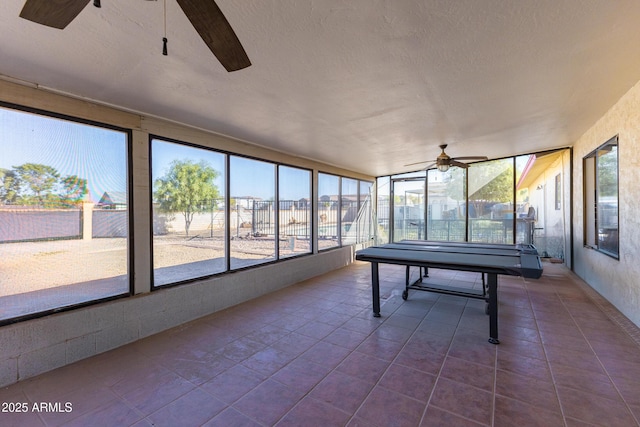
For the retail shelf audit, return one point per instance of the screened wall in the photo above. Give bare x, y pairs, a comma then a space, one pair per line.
512, 200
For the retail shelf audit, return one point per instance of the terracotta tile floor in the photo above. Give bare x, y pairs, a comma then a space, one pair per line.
313, 355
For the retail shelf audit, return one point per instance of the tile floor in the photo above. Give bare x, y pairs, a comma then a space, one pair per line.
313, 355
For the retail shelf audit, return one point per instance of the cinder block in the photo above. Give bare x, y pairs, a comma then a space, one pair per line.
41, 360
152, 323
8, 371
136, 307
104, 316
116, 336
12, 344
55, 329
80, 348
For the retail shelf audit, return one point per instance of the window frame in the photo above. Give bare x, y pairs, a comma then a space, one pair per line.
228, 155
130, 217
338, 209
341, 235
310, 216
154, 286
591, 187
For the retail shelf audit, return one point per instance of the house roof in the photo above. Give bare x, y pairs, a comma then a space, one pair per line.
114, 198
536, 166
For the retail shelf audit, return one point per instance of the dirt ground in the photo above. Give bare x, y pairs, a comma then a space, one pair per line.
32, 266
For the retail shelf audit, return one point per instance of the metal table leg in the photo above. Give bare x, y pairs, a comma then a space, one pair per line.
375, 288
492, 278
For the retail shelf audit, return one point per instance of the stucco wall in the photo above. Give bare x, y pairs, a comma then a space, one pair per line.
616, 280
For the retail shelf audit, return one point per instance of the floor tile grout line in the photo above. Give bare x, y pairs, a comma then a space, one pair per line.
613, 383
558, 295
611, 311
546, 355
604, 368
438, 376
390, 363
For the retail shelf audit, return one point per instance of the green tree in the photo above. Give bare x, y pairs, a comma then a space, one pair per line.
73, 189
607, 164
39, 178
186, 188
9, 186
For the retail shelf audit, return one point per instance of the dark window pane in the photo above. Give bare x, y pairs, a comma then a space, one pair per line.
607, 198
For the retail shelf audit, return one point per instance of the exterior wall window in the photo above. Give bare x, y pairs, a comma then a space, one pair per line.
64, 213
601, 198
252, 219
294, 193
188, 185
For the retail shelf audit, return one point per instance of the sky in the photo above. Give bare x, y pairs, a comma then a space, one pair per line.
249, 177
96, 154
99, 155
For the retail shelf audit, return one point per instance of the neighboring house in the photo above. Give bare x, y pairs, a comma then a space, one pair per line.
113, 200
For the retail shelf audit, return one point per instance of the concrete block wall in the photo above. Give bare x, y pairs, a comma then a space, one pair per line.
36, 346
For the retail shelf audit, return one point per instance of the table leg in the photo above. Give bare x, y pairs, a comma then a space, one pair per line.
375, 287
484, 286
492, 278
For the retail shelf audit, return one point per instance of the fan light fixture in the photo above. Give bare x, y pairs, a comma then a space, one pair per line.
444, 162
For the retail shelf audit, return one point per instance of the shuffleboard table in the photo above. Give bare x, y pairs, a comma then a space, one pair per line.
485, 258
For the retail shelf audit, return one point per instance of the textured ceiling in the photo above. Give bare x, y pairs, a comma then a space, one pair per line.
362, 84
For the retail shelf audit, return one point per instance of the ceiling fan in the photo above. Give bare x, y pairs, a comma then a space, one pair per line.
205, 16
443, 161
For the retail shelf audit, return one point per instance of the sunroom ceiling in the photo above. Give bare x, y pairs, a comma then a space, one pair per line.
365, 85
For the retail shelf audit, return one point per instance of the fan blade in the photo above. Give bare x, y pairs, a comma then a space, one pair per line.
52, 13
208, 20
418, 163
472, 158
429, 166
459, 164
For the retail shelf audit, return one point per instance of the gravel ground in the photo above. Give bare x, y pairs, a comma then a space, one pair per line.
34, 266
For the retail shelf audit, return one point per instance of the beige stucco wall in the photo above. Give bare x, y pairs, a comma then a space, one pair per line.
616, 280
